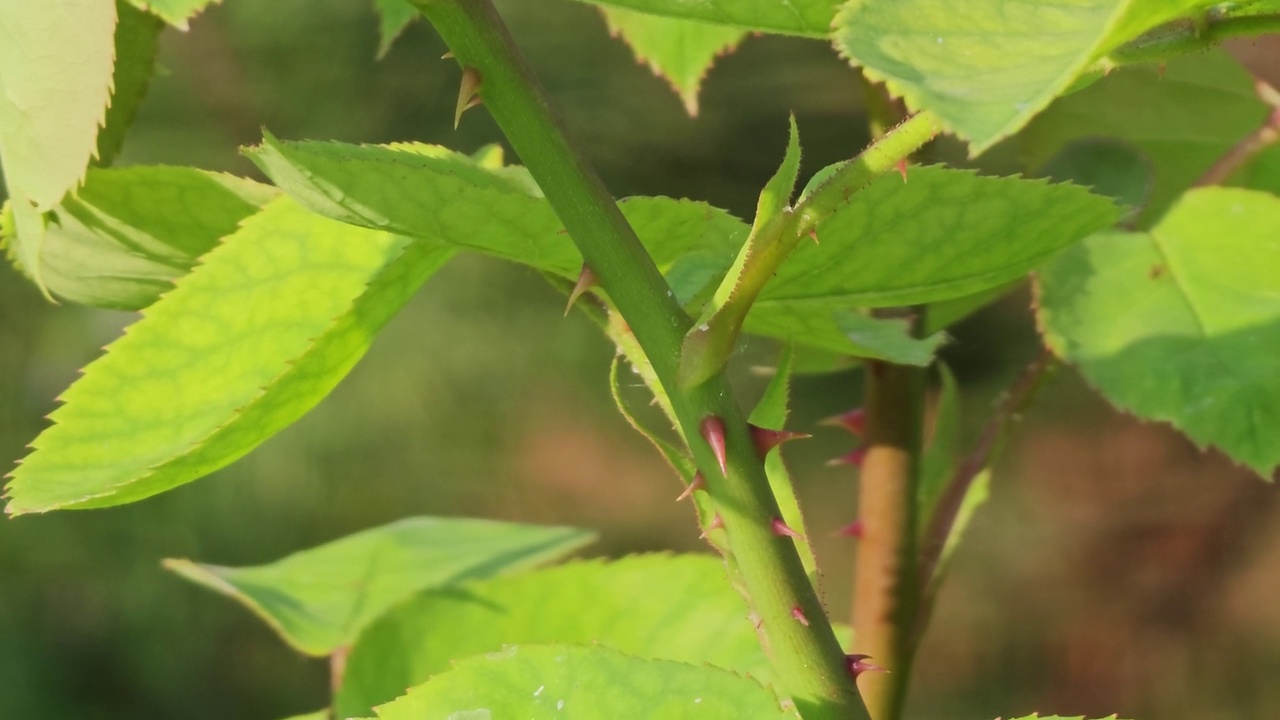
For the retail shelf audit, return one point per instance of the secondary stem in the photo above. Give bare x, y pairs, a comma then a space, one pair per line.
1184, 38
808, 659
1243, 151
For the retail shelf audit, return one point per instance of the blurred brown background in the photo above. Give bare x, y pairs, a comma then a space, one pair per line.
1116, 569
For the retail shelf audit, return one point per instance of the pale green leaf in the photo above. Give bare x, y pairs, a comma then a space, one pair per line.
129, 233
1181, 324
393, 17
136, 39
654, 606
319, 600
985, 72
566, 682
944, 234
257, 335
174, 12
1161, 114
807, 18
680, 51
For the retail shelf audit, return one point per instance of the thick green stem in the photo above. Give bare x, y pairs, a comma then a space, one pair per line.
885, 587
807, 658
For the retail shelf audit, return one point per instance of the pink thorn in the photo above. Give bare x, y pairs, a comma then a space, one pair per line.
586, 281
798, 614
854, 458
698, 483
712, 429
902, 169
855, 421
813, 235
857, 664
767, 440
781, 529
716, 523
854, 529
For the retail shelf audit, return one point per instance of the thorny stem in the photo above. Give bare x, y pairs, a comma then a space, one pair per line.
808, 659
940, 525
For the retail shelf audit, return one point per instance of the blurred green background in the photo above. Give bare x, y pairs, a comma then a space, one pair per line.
1117, 568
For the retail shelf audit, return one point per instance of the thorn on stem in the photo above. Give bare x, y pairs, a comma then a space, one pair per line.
698, 483
586, 280
781, 529
448, 55
468, 94
902, 169
857, 664
813, 235
854, 458
798, 614
717, 523
767, 440
855, 421
712, 430
854, 529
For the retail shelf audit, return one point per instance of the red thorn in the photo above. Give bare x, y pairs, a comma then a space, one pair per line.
781, 529
855, 421
586, 280
813, 235
798, 614
902, 169
857, 664
697, 483
853, 458
716, 523
712, 429
767, 440
854, 529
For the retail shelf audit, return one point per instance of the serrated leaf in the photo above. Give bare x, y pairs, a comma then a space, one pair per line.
987, 73
174, 12
319, 600
257, 335
1181, 324
681, 51
807, 18
136, 37
47, 138
1161, 114
945, 234
687, 613
447, 197
393, 17
564, 682
129, 233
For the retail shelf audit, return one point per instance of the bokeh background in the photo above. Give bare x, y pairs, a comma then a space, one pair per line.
1117, 568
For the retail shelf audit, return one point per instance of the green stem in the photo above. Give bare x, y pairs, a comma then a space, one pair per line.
1184, 38
807, 658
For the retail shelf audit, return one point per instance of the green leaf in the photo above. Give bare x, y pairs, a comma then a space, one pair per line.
122, 240
807, 18
136, 39
945, 234
1180, 324
681, 51
564, 682
320, 599
1163, 117
317, 715
938, 463
174, 12
687, 612
394, 16
436, 194
47, 138
986, 74
257, 335
1037, 716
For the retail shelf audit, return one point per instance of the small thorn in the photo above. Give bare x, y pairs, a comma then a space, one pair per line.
857, 664
716, 523
767, 440
781, 529
698, 483
813, 235
448, 55
855, 421
586, 280
854, 529
798, 614
853, 458
467, 94
902, 169
712, 429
